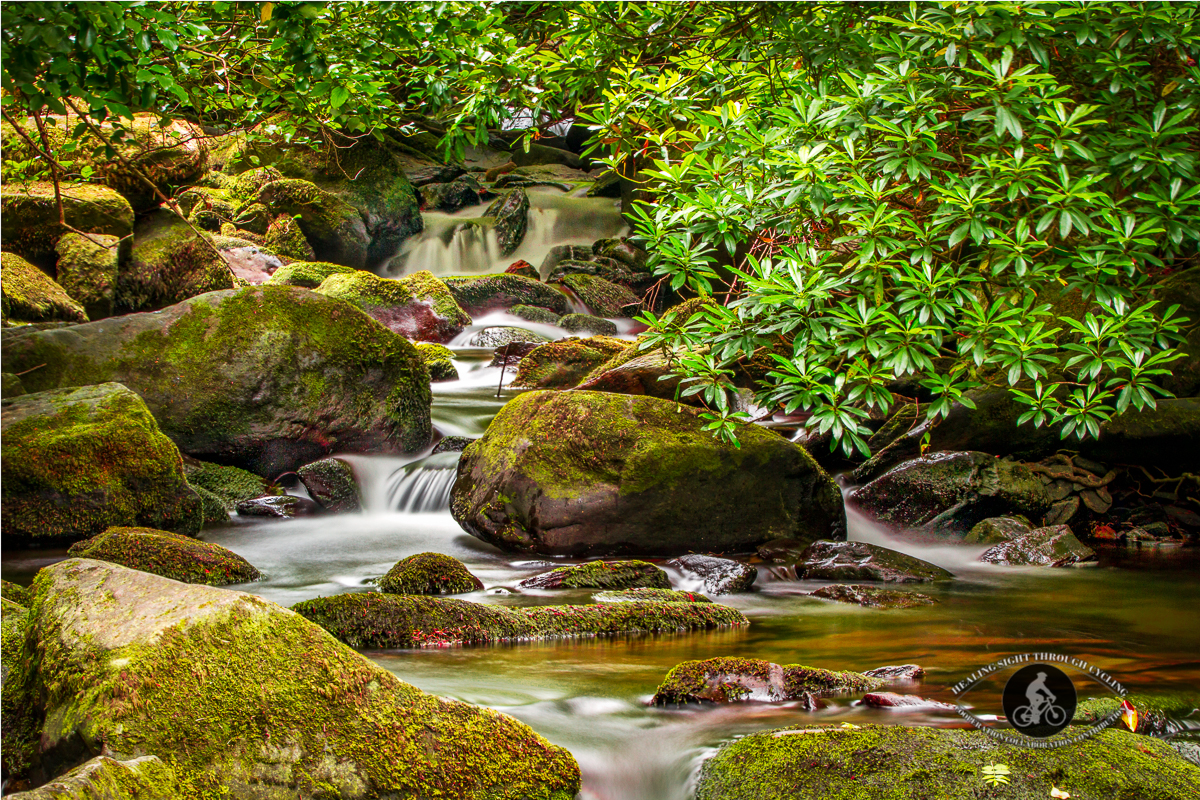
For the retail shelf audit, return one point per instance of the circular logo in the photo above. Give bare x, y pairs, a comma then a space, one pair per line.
1039, 700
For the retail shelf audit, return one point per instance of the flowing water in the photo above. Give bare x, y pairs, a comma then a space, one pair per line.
1133, 615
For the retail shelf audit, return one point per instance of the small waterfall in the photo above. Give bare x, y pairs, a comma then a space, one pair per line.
423, 485
449, 245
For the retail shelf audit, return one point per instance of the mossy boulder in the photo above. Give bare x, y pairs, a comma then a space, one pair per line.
333, 227
484, 293
284, 236
417, 306
621, 250
647, 595
387, 621
170, 555
439, 360
104, 778
31, 226
563, 364
1053, 546
606, 268
331, 483
76, 461
169, 264
10, 385
601, 575
459, 193
429, 573
563, 252
588, 473
995, 530
209, 208
215, 512
87, 270
872, 596
943, 496
586, 323
634, 371
230, 485
535, 314
816, 762
719, 575
15, 593
604, 298
268, 378
251, 700
308, 274
500, 335
511, 212
29, 295
1158, 714
841, 561
730, 680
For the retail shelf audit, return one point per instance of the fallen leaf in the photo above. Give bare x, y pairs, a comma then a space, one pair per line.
1056, 792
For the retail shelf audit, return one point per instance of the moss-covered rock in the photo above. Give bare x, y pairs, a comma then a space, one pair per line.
285, 237
418, 306
621, 250
19, 732
872, 596
10, 385
76, 461
308, 274
104, 778
586, 323
256, 218
268, 378
588, 473
370, 620
719, 575
331, 483
943, 496
87, 270
604, 298
1158, 714
535, 314
31, 226
29, 295
645, 594
995, 530
333, 227
731, 680
601, 575
429, 573
511, 212
170, 555
169, 264
481, 294
15, 593
815, 762
459, 193
1053, 546
252, 700
500, 335
438, 359
849, 561
230, 485
607, 268
215, 512
208, 209
563, 364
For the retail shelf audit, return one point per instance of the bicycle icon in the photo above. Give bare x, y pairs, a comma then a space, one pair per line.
1027, 716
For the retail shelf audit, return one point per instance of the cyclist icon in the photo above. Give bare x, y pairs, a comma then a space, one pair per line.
1041, 702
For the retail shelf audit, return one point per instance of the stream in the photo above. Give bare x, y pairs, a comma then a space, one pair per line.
1132, 615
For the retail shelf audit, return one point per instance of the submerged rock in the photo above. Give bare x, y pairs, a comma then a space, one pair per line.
562, 364
417, 306
601, 575
816, 762
269, 378
646, 594
840, 561
429, 573
480, 294
590, 473
1054, 546
904, 701
76, 461
872, 596
104, 778
370, 620
731, 680
170, 555
29, 295
331, 483
251, 699
719, 575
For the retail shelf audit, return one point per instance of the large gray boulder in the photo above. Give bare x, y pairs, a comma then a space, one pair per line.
592, 473
268, 378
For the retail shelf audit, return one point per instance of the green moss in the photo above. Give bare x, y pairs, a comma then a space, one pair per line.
308, 274
76, 461
535, 314
167, 554
230, 485
511, 212
389, 621
245, 187
1157, 713
213, 506
434, 352
19, 734
29, 295
333, 228
144, 778
643, 595
10, 385
169, 263
87, 271
15, 594
601, 575
586, 323
565, 363
873, 762
31, 226
418, 306
284, 237
729, 679
429, 573
482, 293
438, 360
603, 297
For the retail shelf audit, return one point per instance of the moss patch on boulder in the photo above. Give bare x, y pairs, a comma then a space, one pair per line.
586, 323
333, 227
169, 264
285, 237
76, 461
308, 274
369, 620
170, 555
429, 573
439, 361
29, 295
648, 595
104, 778
729, 680
10, 385
31, 226
417, 306
1158, 714
604, 298
15, 593
601, 575
88, 267
563, 364
535, 314
229, 484
483, 293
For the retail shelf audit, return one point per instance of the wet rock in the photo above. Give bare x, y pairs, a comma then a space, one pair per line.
892, 674
283, 506
76, 461
585, 323
535, 314
331, 483
417, 306
997, 529
620, 249
943, 496
731, 680
542, 154
511, 213
104, 778
170, 555
719, 575
873, 596
607, 185
371, 620
601, 575
522, 268
477, 296
268, 378
839, 561
563, 252
904, 701
29, 295
230, 485
31, 221
645, 373
459, 193
1053, 546
817, 762
429, 573
563, 364
452, 444
607, 268
590, 473
146, 652
782, 551
646, 594
502, 335
87, 270
439, 360
309, 274
604, 298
